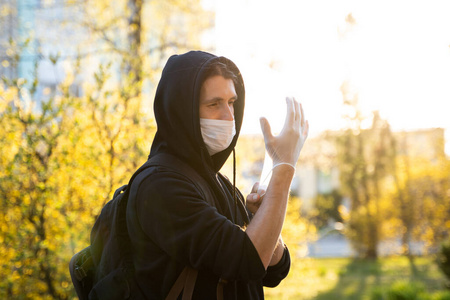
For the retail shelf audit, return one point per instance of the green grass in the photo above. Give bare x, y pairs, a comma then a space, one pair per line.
346, 278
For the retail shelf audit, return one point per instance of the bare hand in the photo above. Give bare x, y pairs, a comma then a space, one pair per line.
254, 199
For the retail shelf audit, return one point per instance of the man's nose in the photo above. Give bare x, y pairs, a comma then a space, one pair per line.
227, 113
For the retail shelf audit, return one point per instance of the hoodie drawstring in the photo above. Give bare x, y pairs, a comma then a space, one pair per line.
234, 182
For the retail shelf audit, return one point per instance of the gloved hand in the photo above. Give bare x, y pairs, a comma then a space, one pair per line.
285, 148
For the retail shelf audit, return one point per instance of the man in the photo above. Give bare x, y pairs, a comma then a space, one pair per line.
199, 107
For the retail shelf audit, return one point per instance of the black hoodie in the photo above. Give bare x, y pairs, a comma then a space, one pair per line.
170, 223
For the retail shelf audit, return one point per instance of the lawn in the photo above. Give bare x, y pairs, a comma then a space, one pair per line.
346, 278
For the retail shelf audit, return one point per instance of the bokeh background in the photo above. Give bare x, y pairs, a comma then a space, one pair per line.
369, 213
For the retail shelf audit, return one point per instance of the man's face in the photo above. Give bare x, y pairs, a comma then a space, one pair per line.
217, 97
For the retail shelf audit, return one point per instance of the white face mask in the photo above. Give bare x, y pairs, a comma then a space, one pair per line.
217, 134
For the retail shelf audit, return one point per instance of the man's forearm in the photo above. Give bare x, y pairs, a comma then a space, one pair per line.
278, 252
265, 228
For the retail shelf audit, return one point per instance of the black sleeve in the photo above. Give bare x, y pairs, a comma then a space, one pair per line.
279, 271
173, 215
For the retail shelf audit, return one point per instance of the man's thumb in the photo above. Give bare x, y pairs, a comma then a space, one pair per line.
265, 128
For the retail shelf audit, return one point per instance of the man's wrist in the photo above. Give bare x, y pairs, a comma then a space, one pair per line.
283, 163
282, 177
283, 168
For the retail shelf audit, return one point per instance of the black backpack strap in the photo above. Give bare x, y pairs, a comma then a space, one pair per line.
180, 167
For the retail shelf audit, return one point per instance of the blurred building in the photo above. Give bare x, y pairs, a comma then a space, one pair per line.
317, 170
37, 41
424, 143
9, 31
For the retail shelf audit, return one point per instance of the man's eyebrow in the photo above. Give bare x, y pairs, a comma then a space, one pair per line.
235, 97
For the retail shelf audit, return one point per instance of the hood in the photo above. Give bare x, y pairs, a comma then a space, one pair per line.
176, 108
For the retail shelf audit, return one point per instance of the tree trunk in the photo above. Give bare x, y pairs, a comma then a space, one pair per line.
133, 63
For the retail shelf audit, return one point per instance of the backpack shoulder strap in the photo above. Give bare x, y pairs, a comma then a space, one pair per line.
175, 164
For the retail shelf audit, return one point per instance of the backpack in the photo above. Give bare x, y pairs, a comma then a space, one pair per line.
104, 270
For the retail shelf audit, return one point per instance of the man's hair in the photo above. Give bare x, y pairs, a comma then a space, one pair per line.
219, 68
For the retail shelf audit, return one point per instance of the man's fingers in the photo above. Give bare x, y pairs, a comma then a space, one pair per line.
298, 112
261, 191
253, 198
290, 112
303, 115
255, 187
306, 129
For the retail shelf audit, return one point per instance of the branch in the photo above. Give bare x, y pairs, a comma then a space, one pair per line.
106, 38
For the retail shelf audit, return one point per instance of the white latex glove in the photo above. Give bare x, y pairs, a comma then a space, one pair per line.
286, 147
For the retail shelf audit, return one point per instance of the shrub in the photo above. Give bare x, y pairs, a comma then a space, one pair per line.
445, 295
403, 290
377, 294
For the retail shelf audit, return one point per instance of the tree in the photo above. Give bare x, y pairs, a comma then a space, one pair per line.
140, 35
364, 155
326, 208
394, 193
53, 181
420, 198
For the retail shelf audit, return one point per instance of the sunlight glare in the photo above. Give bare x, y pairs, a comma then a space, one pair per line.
395, 54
